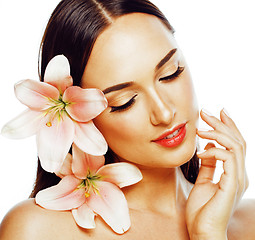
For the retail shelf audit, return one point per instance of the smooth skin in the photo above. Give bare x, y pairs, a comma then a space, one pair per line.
164, 205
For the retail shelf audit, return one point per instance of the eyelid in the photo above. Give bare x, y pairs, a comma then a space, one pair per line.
120, 99
124, 106
172, 76
170, 67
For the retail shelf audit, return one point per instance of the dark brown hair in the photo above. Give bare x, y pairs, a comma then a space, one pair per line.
72, 31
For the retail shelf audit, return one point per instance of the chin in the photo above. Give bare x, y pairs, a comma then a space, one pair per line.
179, 155
170, 159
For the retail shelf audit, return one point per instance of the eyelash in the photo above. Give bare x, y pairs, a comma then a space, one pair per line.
132, 100
174, 75
124, 106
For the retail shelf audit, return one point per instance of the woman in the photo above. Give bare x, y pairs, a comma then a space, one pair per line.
127, 50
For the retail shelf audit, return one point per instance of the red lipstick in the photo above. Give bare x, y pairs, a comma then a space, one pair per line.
172, 138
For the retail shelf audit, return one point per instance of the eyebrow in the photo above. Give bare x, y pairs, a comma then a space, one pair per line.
166, 59
128, 84
118, 87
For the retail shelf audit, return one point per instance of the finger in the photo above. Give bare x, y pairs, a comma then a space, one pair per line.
221, 138
225, 118
220, 126
229, 129
236, 148
228, 159
243, 180
207, 168
212, 121
230, 144
224, 197
209, 145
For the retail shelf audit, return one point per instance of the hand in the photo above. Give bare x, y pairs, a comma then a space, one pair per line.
210, 206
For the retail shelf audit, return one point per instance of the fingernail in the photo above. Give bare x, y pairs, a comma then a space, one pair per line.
206, 112
226, 112
200, 152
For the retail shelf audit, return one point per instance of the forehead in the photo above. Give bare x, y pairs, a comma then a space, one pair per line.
127, 50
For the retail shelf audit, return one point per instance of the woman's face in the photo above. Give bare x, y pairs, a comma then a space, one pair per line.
138, 65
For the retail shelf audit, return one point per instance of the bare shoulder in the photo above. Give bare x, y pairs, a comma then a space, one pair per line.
28, 221
18, 222
243, 221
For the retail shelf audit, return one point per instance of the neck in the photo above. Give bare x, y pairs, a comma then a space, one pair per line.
163, 191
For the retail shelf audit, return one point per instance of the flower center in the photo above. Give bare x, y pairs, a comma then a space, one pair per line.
89, 184
58, 105
56, 109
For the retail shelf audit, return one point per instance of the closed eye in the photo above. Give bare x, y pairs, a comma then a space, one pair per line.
174, 75
124, 106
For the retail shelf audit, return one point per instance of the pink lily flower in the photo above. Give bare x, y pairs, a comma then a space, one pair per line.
94, 188
59, 114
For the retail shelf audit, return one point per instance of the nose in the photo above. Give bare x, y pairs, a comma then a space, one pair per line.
162, 111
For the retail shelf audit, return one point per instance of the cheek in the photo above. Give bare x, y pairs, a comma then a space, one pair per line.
186, 96
191, 98
189, 107
189, 94
120, 129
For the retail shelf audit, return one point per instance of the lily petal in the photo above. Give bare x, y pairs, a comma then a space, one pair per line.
54, 142
35, 95
66, 168
86, 104
122, 174
24, 125
89, 139
62, 196
111, 205
84, 217
57, 73
83, 161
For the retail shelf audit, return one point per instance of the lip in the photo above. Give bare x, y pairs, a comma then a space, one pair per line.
176, 140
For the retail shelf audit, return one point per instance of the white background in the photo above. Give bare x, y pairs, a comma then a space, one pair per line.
217, 38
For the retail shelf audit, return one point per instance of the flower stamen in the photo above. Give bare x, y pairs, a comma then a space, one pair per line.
86, 194
89, 184
48, 124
